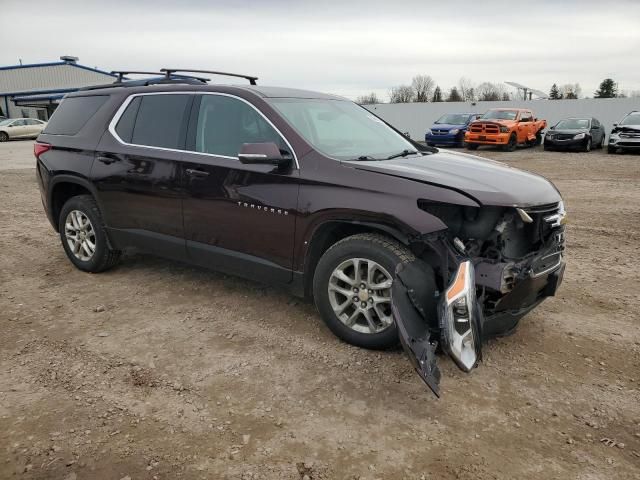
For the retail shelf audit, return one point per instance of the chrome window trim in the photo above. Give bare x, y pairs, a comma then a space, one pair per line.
129, 99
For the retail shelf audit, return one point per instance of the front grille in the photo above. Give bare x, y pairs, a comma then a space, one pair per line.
564, 136
489, 128
548, 208
630, 135
439, 132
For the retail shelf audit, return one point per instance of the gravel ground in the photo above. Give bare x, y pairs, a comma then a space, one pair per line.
161, 370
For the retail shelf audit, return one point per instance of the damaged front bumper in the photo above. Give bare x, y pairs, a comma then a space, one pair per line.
456, 319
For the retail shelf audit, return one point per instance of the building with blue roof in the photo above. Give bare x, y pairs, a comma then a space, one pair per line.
35, 90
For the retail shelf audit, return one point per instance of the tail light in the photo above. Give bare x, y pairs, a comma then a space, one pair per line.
39, 148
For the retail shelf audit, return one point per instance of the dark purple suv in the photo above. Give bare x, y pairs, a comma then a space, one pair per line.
392, 239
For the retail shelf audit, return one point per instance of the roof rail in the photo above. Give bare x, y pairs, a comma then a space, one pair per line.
122, 73
170, 71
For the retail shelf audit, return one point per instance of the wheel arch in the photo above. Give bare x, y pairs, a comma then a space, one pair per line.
64, 187
332, 231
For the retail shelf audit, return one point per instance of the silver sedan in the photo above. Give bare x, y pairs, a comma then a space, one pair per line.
20, 128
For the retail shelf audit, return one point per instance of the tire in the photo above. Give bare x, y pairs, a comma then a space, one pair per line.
601, 146
4, 137
102, 257
547, 148
372, 248
538, 139
611, 149
587, 146
513, 143
472, 146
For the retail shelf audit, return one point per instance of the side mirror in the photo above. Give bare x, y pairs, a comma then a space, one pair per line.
261, 154
535, 119
615, 124
553, 127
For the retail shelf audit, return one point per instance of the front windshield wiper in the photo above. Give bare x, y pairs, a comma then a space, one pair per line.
365, 158
403, 153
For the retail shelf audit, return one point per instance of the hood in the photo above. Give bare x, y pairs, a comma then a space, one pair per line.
507, 123
447, 126
487, 181
627, 128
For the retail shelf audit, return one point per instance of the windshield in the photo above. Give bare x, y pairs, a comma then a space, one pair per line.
341, 129
573, 123
500, 115
5, 122
631, 119
454, 119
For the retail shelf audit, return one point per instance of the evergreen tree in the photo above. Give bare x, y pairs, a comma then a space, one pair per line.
608, 89
437, 95
454, 96
554, 93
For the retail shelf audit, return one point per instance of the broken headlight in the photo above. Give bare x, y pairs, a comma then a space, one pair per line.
459, 318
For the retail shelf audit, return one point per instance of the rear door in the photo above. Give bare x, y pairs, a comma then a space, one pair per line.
18, 129
237, 218
137, 174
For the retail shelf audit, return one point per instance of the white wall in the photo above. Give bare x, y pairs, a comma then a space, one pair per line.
415, 118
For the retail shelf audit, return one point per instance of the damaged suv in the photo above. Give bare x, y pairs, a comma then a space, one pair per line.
392, 239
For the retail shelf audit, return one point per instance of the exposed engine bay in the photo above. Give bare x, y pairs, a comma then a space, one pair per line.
475, 280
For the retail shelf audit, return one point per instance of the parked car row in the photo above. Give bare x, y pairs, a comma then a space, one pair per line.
510, 127
20, 128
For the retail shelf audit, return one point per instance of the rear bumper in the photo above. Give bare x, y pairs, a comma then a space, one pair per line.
487, 139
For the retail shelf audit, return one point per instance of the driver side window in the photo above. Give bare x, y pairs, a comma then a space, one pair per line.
226, 123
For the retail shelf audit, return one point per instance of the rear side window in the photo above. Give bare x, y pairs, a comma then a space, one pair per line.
160, 121
127, 121
73, 113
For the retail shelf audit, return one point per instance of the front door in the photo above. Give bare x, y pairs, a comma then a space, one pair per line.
137, 174
237, 218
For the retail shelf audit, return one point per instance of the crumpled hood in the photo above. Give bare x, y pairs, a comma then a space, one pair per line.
568, 131
487, 181
627, 128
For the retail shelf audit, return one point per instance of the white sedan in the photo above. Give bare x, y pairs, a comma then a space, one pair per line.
20, 128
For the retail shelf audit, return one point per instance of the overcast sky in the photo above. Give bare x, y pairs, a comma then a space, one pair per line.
342, 47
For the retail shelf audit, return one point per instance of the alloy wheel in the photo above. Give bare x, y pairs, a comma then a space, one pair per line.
360, 295
80, 235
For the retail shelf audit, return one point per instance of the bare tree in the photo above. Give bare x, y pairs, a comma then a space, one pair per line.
634, 94
422, 87
369, 99
488, 92
571, 91
401, 94
466, 89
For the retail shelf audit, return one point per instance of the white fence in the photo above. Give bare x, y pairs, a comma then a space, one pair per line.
415, 118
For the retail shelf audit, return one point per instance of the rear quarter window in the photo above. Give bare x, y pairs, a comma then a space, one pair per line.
161, 120
73, 113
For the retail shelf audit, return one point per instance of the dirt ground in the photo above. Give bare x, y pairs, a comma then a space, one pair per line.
158, 370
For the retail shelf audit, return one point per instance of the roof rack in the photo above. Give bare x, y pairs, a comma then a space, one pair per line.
171, 71
121, 74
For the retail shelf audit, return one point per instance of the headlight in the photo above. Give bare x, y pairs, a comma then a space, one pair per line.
579, 136
504, 129
428, 132
454, 131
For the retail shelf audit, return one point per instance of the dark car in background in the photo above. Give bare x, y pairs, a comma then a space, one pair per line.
449, 129
581, 134
311, 192
626, 134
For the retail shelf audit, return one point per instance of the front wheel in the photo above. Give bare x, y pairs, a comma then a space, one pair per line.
611, 149
352, 289
83, 236
472, 146
513, 142
587, 145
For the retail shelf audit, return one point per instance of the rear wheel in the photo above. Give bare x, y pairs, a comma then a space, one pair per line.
513, 143
83, 236
352, 289
4, 137
538, 139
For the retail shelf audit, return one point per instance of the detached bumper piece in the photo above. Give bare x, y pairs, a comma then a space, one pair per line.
425, 319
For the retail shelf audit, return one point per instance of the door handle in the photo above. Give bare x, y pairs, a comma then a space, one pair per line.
196, 173
107, 160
